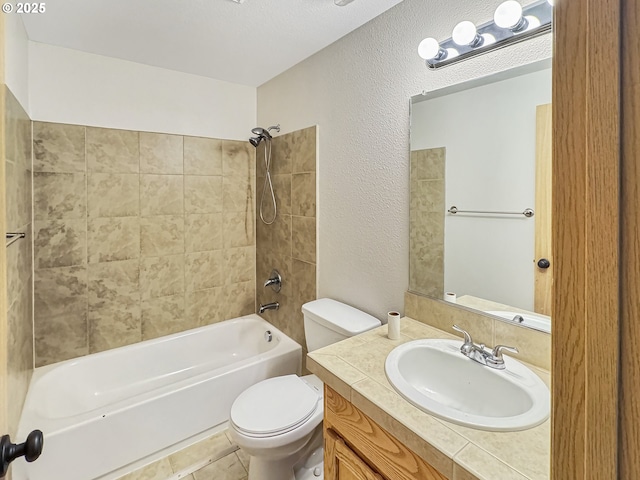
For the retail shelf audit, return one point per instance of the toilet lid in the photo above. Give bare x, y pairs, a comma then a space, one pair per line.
274, 406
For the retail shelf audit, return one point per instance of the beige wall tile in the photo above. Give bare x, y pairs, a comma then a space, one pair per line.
203, 232
205, 307
204, 270
239, 230
18, 143
112, 151
61, 337
281, 162
113, 284
60, 290
164, 316
428, 196
58, 148
19, 267
281, 190
227, 468
237, 193
112, 239
162, 276
263, 234
113, 195
238, 158
304, 281
239, 264
161, 153
428, 164
534, 346
303, 150
281, 235
18, 195
203, 194
162, 235
161, 195
114, 326
60, 243
303, 194
304, 239
239, 299
202, 156
59, 195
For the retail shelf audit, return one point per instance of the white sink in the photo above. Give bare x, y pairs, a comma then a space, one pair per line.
434, 376
532, 320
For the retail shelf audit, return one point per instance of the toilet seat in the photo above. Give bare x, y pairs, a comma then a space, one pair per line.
274, 406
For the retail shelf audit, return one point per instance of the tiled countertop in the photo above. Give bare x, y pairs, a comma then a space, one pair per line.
355, 369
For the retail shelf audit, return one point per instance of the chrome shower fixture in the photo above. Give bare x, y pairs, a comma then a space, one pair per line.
263, 134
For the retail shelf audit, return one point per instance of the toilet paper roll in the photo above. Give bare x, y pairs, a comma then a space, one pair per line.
393, 325
450, 297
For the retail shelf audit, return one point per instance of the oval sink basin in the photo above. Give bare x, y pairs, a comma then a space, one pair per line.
531, 320
434, 376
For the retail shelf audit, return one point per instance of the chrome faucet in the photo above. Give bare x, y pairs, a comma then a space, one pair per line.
479, 354
274, 281
269, 306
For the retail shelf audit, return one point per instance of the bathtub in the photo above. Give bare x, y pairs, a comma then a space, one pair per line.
104, 411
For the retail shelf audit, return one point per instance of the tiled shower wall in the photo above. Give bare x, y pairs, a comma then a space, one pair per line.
19, 260
137, 235
289, 244
426, 224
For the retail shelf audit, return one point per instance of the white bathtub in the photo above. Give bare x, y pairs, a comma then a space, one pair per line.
104, 411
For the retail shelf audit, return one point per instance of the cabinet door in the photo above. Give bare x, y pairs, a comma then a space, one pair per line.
342, 463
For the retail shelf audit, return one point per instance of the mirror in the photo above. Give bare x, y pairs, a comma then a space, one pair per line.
484, 148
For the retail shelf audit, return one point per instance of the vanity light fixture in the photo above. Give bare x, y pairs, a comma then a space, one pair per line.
512, 23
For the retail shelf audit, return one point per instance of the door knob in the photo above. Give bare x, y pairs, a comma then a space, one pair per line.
31, 450
544, 263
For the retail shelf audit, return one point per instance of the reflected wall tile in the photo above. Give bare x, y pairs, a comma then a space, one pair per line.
304, 239
203, 194
303, 194
204, 270
202, 156
239, 264
239, 299
112, 151
60, 290
112, 239
60, 243
162, 235
161, 153
60, 337
203, 232
113, 284
113, 195
164, 316
161, 195
59, 195
239, 230
162, 276
114, 326
282, 191
237, 193
58, 148
238, 158
303, 150
206, 306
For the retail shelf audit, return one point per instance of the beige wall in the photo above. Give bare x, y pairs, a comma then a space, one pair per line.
19, 259
137, 235
289, 244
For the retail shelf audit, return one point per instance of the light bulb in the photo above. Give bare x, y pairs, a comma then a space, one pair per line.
429, 49
465, 33
509, 15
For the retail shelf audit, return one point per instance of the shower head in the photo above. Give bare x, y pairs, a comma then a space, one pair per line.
255, 141
262, 134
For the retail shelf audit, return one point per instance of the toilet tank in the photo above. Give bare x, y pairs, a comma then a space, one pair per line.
328, 321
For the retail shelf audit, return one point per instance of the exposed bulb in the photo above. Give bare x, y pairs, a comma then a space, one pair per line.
466, 33
429, 49
509, 15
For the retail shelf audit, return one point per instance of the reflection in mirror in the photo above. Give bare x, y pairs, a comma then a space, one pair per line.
485, 148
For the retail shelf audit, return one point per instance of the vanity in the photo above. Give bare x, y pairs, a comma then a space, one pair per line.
372, 432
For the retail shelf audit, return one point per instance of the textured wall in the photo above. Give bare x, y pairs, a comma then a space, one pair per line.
137, 235
357, 91
289, 244
19, 260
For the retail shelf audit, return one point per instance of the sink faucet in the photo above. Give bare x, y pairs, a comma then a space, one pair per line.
478, 353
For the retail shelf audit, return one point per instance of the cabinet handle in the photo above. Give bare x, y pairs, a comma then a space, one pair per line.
30, 449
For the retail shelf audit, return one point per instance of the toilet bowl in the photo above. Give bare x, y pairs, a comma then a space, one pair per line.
278, 421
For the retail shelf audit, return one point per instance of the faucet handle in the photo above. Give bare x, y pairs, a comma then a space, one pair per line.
498, 349
467, 336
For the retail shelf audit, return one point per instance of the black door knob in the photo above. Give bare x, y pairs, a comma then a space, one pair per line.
544, 263
31, 450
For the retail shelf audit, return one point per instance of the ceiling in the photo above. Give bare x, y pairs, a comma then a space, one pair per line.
247, 43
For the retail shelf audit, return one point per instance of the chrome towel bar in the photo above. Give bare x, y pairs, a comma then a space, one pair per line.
527, 213
14, 237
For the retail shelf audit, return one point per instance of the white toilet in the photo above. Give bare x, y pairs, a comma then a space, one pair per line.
278, 421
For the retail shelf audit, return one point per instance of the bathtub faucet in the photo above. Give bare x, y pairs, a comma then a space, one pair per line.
269, 306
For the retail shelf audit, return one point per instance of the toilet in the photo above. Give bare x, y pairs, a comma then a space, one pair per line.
278, 421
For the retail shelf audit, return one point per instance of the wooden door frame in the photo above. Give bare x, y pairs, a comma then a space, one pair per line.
586, 176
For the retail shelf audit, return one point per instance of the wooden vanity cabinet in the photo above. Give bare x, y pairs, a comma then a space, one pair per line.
357, 448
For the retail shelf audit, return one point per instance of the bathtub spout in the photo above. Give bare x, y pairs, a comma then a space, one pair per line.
269, 306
